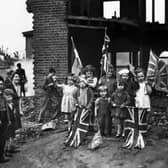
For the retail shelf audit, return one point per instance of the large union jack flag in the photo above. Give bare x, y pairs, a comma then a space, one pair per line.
162, 75
135, 126
79, 128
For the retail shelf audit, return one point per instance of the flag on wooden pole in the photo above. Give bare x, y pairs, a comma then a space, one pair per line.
105, 59
77, 64
152, 68
162, 76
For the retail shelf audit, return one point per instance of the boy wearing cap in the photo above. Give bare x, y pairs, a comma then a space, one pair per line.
131, 84
103, 111
8, 95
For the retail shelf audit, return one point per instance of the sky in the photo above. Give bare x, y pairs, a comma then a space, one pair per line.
14, 19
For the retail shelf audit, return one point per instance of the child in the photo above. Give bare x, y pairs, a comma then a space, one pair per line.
84, 95
69, 99
8, 95
119, 100
90, 76
3, 122
109, 80
102, 111
142, 99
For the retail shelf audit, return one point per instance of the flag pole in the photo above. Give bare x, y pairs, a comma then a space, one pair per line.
73, 44
103, 59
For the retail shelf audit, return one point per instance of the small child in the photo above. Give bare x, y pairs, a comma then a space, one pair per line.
119, 100
90, 77
103, 111
84, 95
8, 95
109, 80
69, 99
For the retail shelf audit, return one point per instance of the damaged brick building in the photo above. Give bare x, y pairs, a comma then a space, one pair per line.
132, 34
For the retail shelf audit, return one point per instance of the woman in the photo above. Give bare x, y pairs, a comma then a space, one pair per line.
15, 86
50, 104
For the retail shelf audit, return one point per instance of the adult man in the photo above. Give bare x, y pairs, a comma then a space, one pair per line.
22, 76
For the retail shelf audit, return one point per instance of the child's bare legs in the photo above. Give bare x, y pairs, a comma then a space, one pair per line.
66, 118
122, 127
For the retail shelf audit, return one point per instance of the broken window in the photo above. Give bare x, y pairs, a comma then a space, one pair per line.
155, 11
111, 9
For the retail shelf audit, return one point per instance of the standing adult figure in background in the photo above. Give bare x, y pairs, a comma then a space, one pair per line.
23, 78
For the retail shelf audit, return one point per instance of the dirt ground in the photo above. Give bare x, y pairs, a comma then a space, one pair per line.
46, 150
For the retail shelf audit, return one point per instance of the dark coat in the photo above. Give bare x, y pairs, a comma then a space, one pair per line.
111, 84
16, 104
12, 120
120, 98
52, 99
3, 115
22, 75
104, 115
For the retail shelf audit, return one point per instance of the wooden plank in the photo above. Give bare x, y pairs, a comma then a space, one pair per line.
86, 26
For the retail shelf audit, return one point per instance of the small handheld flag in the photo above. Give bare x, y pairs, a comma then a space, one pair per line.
152, 68
77, 64
105, 60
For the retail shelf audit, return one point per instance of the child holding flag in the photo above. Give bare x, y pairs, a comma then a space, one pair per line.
69, 98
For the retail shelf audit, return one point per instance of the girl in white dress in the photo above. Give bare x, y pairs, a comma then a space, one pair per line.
69, 99
142, 99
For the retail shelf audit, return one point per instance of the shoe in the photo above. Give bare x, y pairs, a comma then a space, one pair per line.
13, 151
8, 154
65, 121
117, 135
21, 113
3, 160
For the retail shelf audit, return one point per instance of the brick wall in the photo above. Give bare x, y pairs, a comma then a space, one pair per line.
50, 40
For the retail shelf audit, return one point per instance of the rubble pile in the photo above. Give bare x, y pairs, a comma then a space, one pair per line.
28, 108
159, 115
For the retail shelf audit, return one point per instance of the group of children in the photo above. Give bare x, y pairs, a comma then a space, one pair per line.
106, 98
10, 120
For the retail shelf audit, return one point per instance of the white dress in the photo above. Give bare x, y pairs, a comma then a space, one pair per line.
69, 98
142, 99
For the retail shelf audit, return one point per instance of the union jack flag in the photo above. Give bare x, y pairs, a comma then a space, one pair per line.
135, 126
152, 68
79, 128
105, 60
162, 75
